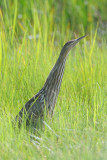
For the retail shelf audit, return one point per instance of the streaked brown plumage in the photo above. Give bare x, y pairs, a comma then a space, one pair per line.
47, 96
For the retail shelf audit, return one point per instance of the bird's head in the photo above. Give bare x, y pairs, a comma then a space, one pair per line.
70, 44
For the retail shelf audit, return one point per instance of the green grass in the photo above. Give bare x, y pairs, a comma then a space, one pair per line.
31, 37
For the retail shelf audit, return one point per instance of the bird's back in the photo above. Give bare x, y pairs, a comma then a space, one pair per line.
32, 109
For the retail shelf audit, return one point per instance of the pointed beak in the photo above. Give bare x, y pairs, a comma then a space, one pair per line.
77, 40
81, 38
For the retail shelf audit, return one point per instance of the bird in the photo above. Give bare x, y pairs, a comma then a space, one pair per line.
46, 98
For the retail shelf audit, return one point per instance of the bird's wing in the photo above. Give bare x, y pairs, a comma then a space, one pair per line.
27, 106
33, 99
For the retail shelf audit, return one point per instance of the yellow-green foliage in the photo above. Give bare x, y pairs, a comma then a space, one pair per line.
31, 37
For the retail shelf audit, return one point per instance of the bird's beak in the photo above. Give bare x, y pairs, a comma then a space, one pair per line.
77, 40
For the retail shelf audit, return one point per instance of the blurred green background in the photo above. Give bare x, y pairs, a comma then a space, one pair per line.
32, 33
76, 14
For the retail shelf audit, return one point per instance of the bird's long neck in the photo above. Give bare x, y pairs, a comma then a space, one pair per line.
53, 82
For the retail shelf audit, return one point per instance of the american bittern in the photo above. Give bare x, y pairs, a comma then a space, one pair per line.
47, 96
